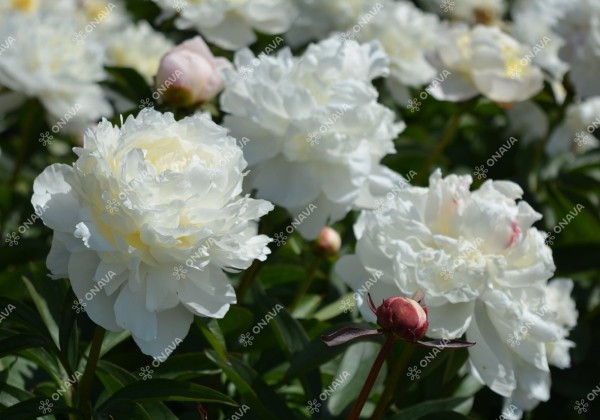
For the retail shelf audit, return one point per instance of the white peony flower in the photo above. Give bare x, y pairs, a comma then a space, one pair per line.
142, 202
138, 47
473, 11
316, 131
574, 133
318, 19
566, 318
533, 22
406, 34
483, 269
230, 24
484, 60
580, 28
62, 75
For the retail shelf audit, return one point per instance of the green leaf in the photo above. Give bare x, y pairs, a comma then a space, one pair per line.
26, 317
113, 339
42, 309
113, 377
67, 333
316, 353
289, 333
333, 309
129, 83
212, 332
357, 363
430, 407
166, 390
30, 409
252, 388
10, 395
20, 342
238, 319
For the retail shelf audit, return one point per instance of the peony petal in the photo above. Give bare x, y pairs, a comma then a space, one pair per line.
173, 326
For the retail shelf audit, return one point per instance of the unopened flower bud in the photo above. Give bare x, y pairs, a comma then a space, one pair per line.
404, 317
329, 241
190, 74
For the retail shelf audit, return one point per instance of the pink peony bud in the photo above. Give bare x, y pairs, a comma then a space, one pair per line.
190, 74
404, 317
329, 241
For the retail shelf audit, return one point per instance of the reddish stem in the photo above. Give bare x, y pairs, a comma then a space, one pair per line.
366, 390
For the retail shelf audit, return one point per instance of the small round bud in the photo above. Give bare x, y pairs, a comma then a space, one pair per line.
404, 317
329, 241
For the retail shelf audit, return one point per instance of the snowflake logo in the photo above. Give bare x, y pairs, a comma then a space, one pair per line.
145, 373
179, 272
79, 305
246, 339
414, 105
245, 72
480, 172
447, 6
381, 206
179, 5
46, 406
213, 171
413, 373
581, 139
145, 103
46, 138
313, 138
346, 36
313, 406
581, 406
513, 340
79, 38
549, 239
446, 273
112, 206
347, 305
514, 71
280, 239
12, 239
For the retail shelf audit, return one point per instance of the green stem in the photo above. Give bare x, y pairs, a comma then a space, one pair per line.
310, 275
447, 137
90, 368
392, 381
366, 389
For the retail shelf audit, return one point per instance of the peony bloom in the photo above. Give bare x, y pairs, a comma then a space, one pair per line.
230, 23
144, 231
138, 47
580, 28
484, 270
533, 22
62, 75
486, 61
472, 11
406, 34
316, 130
318, 19
574, 133
190, 73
